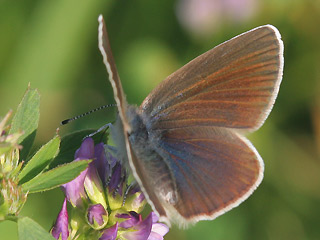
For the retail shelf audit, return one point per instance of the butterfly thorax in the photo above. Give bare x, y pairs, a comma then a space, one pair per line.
144, 145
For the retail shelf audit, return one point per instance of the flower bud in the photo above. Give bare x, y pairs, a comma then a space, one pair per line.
60, 229
93, 186
97, 216
115, 188
74, 190
135, 200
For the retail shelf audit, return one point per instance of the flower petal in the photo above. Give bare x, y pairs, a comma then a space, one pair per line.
74, 190
116, 177
155, 236
155, 217
110, 233
101, 162
94, 187
115, 188
135, 199
160, 229
86, 150
61, 225
96, 213
141, 231
132, 219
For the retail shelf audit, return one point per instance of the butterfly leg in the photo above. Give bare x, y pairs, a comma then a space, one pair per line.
101, 129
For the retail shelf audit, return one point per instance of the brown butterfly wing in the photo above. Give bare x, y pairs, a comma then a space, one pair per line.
121, 128
214, 169
105, 49
233, 85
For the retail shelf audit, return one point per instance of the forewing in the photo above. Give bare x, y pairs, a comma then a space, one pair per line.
233, 85
105, 49
121, 128
214, 170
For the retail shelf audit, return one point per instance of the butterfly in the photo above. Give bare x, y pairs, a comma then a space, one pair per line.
185, 144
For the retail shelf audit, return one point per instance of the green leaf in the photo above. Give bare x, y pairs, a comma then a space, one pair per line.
70, 143
40, 160
30, 230
26, 119
55, 177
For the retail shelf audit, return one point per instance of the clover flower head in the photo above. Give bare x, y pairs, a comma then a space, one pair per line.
104, 205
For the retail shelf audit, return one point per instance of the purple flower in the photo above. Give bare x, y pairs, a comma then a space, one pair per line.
117, 179
134, 228
97, 216
141, 230
132, 218
74, 190
110, 233
61, 225
101, 163
93, 185
88, 183
158, 229
135, 200
115, 188
86, 150
106, 176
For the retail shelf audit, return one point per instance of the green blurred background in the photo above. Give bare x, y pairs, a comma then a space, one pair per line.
53, 46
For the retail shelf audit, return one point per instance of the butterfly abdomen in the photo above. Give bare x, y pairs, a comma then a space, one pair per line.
144, 147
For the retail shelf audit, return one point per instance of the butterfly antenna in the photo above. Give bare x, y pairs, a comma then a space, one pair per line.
128, 188
64, 122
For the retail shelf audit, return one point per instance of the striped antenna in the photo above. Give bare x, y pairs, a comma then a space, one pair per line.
64, 122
